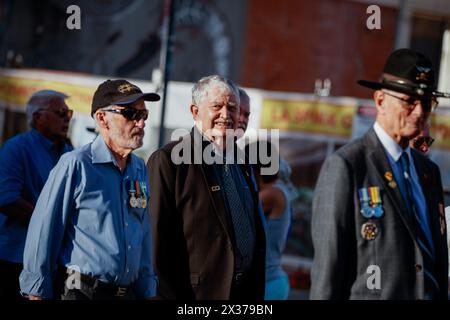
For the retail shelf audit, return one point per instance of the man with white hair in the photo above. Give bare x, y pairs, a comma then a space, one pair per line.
208, 226
91, 225
26, 163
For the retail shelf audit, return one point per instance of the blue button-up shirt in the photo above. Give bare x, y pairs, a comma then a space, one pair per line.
83, 220
26, 161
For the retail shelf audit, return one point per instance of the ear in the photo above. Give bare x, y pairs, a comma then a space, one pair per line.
100, 117
378, 97
194, 111
36, 118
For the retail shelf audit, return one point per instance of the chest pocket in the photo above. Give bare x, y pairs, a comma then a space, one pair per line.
138, 196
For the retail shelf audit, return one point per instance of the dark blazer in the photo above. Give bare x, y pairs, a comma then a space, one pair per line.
343, 256
193, 240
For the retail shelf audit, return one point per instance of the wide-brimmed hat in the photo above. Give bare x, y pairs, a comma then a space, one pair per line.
119, 92
406, 71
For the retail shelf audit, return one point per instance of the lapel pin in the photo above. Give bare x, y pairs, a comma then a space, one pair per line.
388, 176
393, 184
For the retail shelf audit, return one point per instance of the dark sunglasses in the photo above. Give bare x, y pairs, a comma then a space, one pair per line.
131, 113
428, 104
62, 113
423, 141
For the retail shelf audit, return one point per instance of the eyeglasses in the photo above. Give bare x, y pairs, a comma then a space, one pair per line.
131, 113
428, 104
423, 141
62, 113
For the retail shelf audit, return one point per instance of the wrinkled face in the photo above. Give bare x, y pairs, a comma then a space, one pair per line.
125, 133
402, 120
217, 112
244, 113
53, 122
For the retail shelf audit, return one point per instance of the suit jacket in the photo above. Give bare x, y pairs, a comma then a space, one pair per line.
193, 240
344, 253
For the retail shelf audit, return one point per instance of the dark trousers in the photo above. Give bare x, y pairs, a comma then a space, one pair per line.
9, 280
76, 294
241, 289
88, 288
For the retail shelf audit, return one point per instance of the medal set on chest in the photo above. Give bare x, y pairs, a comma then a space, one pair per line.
137, 192
372, 209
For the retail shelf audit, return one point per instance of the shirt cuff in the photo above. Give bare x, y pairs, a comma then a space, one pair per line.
145, 287
35, 285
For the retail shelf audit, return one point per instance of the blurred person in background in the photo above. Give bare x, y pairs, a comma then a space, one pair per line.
26, 161
423, 141
277, 206
244, 110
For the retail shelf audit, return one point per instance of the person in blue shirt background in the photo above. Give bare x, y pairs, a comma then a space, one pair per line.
91, 223
26, 161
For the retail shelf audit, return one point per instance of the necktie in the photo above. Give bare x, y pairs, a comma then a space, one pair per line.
239, 216
425, 246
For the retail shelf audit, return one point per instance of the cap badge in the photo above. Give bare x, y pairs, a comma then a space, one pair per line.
124, 88
422, 73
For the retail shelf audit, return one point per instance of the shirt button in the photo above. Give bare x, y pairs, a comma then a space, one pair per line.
129, 247
126, 224
128, 270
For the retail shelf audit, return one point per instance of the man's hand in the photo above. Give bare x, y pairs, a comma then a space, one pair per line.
30, 297
20, 210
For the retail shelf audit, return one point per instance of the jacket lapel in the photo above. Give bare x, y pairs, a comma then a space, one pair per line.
209, 176
431, 195
379, 160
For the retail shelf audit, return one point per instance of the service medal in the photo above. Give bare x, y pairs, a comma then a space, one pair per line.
138, 202
370, 202
369, 231
132, 192
133, 202
144, 196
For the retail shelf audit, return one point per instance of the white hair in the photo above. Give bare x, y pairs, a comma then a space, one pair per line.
203, 85
243, 94
41, 100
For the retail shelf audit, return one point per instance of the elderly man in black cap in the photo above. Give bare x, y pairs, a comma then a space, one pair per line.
378, 223
91, 220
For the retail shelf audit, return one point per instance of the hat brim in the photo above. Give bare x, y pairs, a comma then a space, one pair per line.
403, 88
135, 97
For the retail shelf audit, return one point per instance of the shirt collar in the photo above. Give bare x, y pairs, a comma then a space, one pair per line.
392, 147
102, 154
46, 143
100, 151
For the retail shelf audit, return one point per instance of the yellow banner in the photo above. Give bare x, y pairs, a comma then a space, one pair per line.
440, 130
17, 91
308, 116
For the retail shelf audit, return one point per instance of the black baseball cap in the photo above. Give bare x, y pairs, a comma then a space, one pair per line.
119, 92
406, 71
